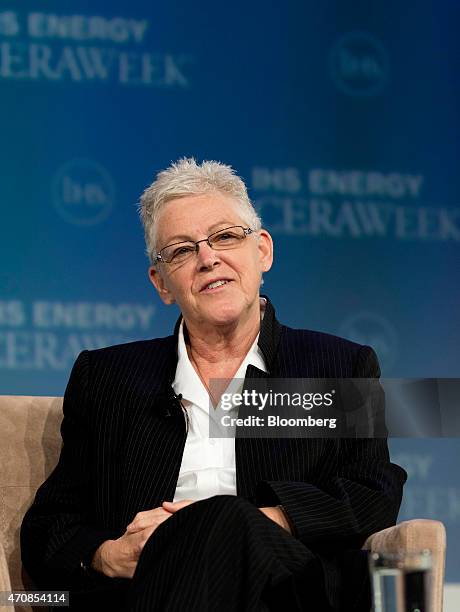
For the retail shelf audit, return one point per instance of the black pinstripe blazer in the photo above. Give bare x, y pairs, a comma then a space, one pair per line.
123, 437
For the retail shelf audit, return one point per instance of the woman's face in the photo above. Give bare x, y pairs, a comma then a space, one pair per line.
195, 218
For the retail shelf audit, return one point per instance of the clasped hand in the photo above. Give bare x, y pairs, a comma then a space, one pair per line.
119, 558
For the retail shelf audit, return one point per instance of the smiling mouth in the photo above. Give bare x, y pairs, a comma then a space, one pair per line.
215, 285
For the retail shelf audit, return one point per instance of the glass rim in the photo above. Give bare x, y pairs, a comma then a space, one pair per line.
402, 560
246, 231
426, 552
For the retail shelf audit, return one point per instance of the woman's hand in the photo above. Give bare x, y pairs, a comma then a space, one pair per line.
276, 514
118, 558
150, 518
175, 506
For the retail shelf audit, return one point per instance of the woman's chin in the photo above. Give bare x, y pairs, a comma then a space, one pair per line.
224, 314
224, 319
224, 311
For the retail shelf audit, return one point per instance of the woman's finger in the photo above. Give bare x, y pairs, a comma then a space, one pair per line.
175, 506
147, 519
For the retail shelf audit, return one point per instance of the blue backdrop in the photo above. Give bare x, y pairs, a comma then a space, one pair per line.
341, 117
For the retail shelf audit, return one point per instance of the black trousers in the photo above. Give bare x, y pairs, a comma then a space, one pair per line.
222, 554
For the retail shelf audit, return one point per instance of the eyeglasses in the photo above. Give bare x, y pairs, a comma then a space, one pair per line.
227, 238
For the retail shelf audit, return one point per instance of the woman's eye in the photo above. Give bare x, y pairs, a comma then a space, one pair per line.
182, 251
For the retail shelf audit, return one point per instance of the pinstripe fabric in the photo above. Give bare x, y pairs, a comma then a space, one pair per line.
124, 435
223, 554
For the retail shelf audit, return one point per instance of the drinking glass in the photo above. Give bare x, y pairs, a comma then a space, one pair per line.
401, 581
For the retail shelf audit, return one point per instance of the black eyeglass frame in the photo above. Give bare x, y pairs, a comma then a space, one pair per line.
158, 258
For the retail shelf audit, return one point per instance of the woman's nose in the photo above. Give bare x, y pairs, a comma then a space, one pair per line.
206, 256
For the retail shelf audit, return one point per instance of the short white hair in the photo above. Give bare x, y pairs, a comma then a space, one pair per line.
186, 177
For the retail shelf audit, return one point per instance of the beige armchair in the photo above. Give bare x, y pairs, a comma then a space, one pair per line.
29, 448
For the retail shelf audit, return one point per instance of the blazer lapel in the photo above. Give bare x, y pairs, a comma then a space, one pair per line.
248, 450
270, 335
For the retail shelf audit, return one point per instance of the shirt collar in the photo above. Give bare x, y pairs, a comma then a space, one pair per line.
268, 342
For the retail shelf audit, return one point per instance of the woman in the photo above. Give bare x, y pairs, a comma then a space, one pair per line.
144, 507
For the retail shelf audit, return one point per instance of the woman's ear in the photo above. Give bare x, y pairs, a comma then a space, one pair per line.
158, 282
265, 246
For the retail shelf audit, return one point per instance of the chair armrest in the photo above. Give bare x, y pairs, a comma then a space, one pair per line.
413, 536
5, 583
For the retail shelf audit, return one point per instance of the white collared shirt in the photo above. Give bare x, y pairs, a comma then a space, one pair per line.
208, 464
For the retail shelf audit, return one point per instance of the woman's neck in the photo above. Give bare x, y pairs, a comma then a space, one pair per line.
221, 345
